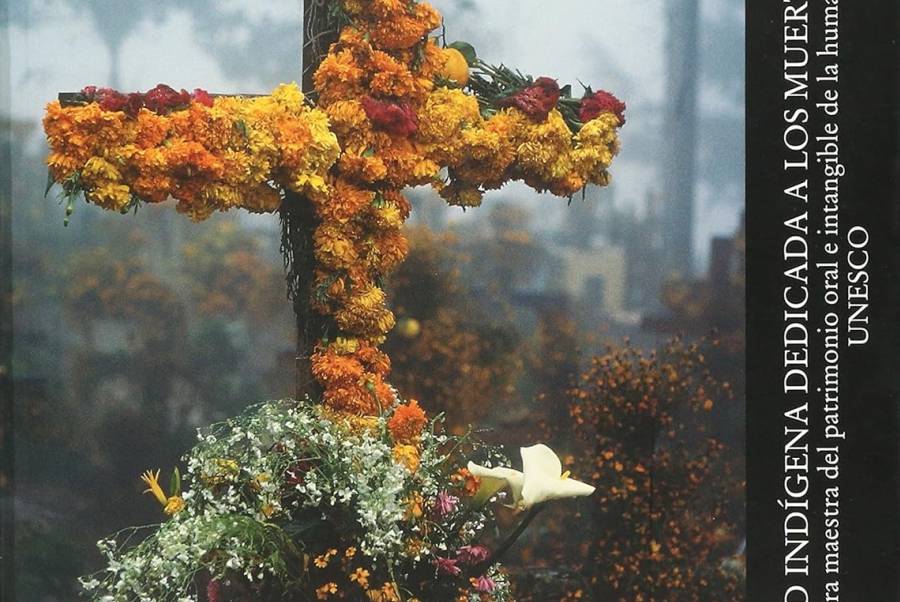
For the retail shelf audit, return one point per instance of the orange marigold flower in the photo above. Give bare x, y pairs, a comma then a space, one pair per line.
384, 393
469, 481
391, 78
374, 360
339, 77
368, 169
345, 202
329, 368
407, 422
389, 250
405, 30
351, 398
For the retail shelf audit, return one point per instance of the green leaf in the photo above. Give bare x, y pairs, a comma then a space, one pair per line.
50, 183
467, 50
241, 127
175, 482
566, 91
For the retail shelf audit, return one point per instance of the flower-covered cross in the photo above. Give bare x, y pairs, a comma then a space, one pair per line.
393, 108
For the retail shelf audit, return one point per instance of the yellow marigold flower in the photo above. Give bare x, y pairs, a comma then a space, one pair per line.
348, 118
414, 506
387, 217
371, 297
289, 96
62, 165
446, 114
407, 456
361, 577
98, 169
344, 345
595, 146
111, 196
339, 77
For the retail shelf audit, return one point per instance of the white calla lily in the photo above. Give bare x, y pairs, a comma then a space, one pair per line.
495, 479
540, 480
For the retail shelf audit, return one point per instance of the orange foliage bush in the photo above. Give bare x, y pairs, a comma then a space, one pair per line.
665, 523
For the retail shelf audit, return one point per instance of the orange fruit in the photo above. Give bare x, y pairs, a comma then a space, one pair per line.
455, 66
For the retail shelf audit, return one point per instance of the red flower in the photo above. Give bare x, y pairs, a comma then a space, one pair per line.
484, 584
445, 504
537, 100
134, 103
89, 92
295, 474
110, 100
472, 554
203, 97
398, 119
447, 566
601, 102
163, 99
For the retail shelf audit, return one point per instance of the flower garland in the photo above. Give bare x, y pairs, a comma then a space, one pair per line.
209, 154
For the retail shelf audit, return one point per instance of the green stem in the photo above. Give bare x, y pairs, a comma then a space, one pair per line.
507, 543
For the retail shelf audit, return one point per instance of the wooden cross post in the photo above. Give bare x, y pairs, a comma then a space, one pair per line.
298, 218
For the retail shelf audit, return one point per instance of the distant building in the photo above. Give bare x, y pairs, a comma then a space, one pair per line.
680, 134
596, 274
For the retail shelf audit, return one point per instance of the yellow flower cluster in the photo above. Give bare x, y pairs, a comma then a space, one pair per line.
239, 152
483, 154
